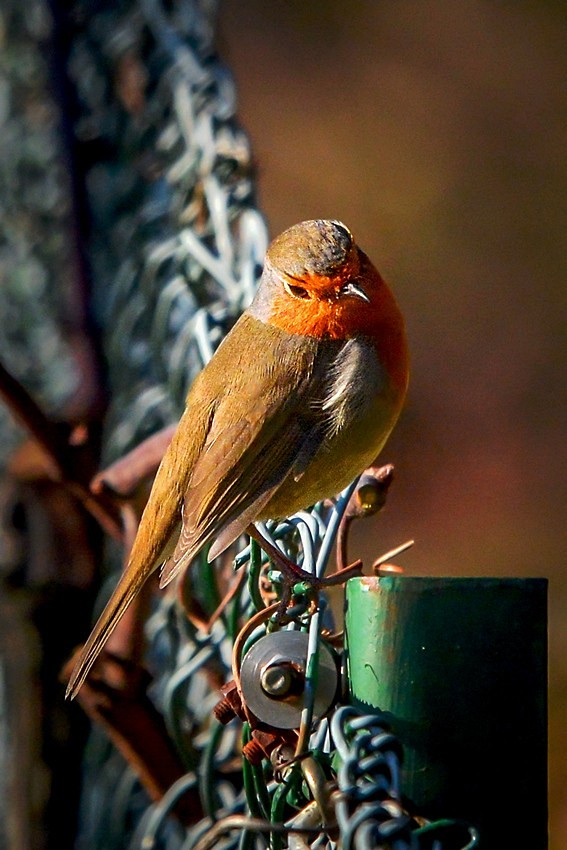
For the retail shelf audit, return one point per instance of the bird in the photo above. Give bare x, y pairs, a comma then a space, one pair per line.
298, 399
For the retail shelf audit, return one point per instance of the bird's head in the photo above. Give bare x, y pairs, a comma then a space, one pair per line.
317, 282
315, 261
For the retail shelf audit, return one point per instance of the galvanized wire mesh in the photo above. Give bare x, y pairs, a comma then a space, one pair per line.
176, 245
176, 239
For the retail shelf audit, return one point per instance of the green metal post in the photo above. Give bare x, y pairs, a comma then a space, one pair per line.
460, 667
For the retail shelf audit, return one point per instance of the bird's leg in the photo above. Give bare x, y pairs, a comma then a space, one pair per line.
291, 571
293, 575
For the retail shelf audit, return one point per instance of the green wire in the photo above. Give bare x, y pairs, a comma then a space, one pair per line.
206, 783
231, 618
254, 572
248, 778
279, 801
447, 823
277, 810
207, 584
261, 790
257, 795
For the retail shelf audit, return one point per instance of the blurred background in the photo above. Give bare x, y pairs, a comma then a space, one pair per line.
436, 131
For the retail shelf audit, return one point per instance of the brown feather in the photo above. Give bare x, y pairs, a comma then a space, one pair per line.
205, 448
158, 522
246, 458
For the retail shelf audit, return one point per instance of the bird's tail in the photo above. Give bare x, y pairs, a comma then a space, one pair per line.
128, 586
156, 533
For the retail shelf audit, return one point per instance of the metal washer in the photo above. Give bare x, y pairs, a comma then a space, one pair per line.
286, 648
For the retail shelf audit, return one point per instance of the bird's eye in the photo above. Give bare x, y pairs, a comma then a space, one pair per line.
295, 291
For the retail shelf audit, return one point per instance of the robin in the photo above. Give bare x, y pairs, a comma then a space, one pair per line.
298, 399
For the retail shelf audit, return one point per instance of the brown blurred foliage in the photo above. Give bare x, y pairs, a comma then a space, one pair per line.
435, 130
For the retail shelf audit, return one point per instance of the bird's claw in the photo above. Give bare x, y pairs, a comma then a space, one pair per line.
308, 587
296, 582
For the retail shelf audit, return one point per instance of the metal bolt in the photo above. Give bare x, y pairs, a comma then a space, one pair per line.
253, 752
277, 680
223, 711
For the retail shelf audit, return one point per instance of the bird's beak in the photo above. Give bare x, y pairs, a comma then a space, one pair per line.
354, 288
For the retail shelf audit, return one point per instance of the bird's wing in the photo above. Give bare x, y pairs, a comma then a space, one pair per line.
232, 436
259, 436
